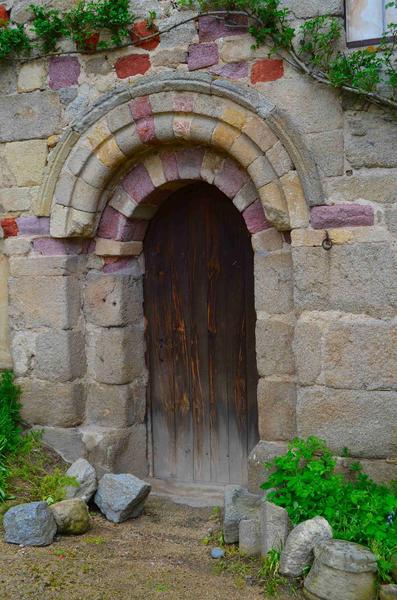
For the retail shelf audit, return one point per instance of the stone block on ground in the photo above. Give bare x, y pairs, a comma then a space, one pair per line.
249, 537
85, 475
298, 551
71, 516
263, 453
275, 526
31, 524
342, 571
239, 504
387, 592
121, 497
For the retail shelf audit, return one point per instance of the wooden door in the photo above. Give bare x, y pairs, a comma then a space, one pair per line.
199, 306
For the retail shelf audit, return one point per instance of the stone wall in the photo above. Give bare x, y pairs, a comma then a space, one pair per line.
86, 147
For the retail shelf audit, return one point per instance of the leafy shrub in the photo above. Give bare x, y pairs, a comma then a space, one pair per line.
361, 69
9, 413
24, 468
9, 424
88, 16
319, 36
305, 483
13, 40
49, 26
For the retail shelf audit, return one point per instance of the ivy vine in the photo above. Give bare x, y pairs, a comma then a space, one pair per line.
312, 48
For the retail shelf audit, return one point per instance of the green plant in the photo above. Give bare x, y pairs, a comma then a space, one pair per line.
95, 540
89, 16
361, 69
9, 424
371, 73
269, 573
305, 483
9, 413
49, 27
319, 36
28, 471
269, 20
13, 40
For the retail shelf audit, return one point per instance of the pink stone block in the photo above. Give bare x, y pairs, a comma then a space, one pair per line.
341, 215
202, 55
189, 161
115, 226
138, 183
170, 166
115, 265
55, 247
255, 218
33, 225
140, 108
231, 178
146, 130
183, 103
213, 28
63, 71
237, 70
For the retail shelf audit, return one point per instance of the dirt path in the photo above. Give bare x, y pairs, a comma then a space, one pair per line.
158, 556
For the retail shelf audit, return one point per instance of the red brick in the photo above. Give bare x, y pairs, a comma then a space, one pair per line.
4, 16
268, 69
140, 30
9, 226
133, 64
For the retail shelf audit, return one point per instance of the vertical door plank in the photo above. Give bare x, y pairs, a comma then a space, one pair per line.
218, 343
179, 264
199, 217
160, 350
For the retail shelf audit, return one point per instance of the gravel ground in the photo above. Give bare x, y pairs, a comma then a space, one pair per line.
158, 556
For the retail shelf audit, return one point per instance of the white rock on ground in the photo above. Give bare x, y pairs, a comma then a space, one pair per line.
298, 550
238, 504
275, 526
249, 537
342, 571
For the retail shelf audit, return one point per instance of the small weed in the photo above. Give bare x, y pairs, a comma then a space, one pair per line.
95, 540
216, 538
63, 553
262, 572
162, 587
216, 514
85, 568
269, 573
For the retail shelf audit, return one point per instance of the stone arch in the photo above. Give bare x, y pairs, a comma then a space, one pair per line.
175, 109
154, 177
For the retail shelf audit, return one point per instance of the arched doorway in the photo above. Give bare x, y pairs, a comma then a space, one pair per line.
199, 306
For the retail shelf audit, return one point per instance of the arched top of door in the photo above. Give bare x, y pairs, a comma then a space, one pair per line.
170, 111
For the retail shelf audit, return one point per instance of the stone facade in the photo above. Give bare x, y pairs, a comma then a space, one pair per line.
90, 145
